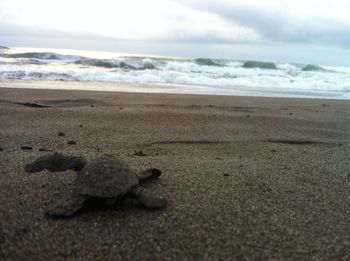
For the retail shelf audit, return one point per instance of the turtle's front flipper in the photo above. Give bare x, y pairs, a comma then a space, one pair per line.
148, 201
67, 208
149, 174
56, 162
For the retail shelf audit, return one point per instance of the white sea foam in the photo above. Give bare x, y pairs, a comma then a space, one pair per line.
205, 76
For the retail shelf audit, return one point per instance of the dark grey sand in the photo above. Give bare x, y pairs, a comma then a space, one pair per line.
245, 178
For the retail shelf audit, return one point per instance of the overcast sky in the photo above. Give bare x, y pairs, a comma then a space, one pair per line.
315, 31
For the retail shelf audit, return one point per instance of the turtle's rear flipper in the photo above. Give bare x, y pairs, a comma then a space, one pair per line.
67, 208
148, 201
149, 174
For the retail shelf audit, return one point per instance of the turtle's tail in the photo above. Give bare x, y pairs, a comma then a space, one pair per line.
56, 162
149, 174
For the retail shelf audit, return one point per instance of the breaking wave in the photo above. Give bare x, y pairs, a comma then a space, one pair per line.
24, 75
258, 64
202, 75
207, 61
113, 63
41, 55
312, 68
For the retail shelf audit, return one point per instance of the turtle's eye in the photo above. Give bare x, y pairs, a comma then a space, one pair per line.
155, 173
80, 164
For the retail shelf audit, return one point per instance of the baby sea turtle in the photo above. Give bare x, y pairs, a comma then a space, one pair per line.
106, 177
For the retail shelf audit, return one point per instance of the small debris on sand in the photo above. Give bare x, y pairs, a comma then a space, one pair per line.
26, 148
140, 153
72, 142
61, 134
44, 149
293, 142
33, 104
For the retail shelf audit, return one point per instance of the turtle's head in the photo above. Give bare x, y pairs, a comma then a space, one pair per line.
39, 164
149, 174
78, 163
55, 162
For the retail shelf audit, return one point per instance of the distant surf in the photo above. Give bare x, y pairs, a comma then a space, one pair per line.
206, 75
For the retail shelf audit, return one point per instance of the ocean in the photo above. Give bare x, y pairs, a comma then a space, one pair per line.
184, 75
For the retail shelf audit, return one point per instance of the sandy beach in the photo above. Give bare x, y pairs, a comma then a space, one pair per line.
245, 178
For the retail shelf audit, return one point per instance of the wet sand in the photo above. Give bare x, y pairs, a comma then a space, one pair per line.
245, 178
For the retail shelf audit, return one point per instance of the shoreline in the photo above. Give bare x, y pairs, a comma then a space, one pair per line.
136, 88
245, 177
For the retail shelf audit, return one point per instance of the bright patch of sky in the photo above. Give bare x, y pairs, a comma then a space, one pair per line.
195, 26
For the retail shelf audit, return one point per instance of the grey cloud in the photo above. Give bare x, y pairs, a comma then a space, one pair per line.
174, 35
276, 26
7, 30
205, 38
273, 26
